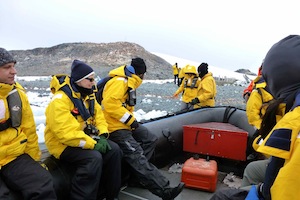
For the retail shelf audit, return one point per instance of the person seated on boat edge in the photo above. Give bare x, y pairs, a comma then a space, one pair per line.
255, 171
188, 88
19, 150
137, 144
282, 142
76, 133
256, 106
258, 102
207, 89
175, 73
281, 171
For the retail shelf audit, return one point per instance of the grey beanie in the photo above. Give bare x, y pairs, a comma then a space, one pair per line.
6, 57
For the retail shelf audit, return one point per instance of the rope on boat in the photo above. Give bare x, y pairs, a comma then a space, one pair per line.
228, 114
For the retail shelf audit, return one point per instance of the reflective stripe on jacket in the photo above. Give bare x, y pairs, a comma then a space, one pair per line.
62, 127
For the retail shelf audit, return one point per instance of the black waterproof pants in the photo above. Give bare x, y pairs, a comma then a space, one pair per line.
91, 167
110, 183
138, 147
176, 79
27, 176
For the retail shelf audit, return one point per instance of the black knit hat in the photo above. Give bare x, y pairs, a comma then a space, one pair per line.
80, 71
6, 57
139, 65
281, 67
203, 69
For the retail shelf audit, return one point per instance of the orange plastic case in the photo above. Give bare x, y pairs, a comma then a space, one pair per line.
216, 139
200, 174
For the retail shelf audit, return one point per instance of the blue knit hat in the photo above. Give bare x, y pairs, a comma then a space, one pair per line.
6, 57
80, 71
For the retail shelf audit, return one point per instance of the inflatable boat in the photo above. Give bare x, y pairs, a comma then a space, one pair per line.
169, 147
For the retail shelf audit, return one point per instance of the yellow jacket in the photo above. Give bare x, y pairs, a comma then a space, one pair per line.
23, 139
257, 104
284, 142
62, 127
259, 140
175, 70
207, 91
189, 91
256, 107
182, 72
118, 114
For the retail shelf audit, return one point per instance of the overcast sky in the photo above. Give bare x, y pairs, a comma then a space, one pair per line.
229, 34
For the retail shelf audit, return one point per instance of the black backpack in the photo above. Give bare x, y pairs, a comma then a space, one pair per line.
100, 87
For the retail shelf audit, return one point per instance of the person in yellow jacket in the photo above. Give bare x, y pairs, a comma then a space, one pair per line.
137, 144
256, 106
181, 74
207, 90
76, 133
247, 91
175, 73
19, 151
281, 65
188, 88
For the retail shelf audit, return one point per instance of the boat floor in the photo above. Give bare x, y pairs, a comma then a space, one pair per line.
225, 167
135, 193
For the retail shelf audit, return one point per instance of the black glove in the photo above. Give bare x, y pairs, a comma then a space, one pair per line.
134, 125
195, 101
91, 130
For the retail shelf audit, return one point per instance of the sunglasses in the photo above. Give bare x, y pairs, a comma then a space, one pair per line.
90, 79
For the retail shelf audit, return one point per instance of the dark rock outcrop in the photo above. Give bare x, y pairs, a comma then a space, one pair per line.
246, 71
103, 57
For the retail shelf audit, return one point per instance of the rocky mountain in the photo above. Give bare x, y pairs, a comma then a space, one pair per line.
103, 57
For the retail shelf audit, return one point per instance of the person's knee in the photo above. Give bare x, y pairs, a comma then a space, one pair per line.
250, 167
116, 150
94, 161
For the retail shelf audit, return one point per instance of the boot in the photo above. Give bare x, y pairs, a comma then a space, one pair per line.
171, 193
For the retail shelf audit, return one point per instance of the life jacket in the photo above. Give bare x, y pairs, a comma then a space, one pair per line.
15, 109
193, 85
100, 88
78, 103
131, 100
